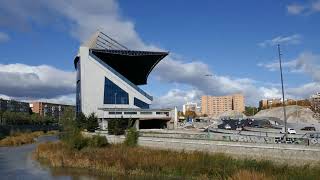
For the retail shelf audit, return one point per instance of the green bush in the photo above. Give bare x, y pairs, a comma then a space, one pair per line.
78, 142
92, 123
117, 126
131, 137
97, 141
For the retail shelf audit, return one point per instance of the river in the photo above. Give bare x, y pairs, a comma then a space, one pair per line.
17, 163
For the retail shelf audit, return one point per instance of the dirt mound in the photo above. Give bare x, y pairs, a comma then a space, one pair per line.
295, 114
231, 114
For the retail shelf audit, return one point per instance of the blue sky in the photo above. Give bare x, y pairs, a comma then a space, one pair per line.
235, 41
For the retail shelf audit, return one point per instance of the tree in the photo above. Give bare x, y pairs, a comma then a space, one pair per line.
190, 114
92, 123
82, 120
250, 111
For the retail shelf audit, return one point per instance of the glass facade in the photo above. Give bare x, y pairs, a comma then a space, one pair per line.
137, 102
113, 94
78, 88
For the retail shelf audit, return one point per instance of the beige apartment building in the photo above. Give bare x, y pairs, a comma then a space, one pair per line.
49, 109
215, 105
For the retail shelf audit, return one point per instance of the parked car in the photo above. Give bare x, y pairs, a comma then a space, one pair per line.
290, 131
309, 128
227, 126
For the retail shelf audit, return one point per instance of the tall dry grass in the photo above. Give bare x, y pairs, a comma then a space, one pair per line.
138, 161
249, 175
20, 138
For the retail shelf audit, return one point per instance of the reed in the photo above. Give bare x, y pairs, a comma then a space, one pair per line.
138, 161
20, 138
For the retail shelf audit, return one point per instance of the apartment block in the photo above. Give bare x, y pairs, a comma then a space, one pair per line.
49, 109
315, 101
14, 106
215, 105
189, 106
268, 103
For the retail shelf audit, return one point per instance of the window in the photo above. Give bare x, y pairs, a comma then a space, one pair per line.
130, 112
140, 104
113, 94
112, 112
145, 112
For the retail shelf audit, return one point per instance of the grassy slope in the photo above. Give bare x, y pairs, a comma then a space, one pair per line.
140, 161
18, 139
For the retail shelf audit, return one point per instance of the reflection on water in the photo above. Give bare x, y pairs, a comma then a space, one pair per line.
17, 163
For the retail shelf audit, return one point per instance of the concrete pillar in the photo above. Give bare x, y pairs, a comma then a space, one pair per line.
137, 124
175, 120
104, 124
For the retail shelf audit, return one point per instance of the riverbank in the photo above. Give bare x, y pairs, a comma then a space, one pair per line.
17, 139
139, 161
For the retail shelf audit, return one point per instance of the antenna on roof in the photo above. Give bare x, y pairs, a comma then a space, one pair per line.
116, 42
102, 41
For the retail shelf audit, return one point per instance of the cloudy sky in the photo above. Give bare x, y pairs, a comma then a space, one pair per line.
216, 47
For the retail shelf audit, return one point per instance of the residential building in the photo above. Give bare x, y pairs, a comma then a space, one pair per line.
45, 109
14, 106
268, 103
276, 102
215, 105
315, 102
108, 80
189, 106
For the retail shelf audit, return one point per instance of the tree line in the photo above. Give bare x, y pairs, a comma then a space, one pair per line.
23, 118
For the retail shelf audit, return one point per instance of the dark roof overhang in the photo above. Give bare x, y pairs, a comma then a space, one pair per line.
133, 65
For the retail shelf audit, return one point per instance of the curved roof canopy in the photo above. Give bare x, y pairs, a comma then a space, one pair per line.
134, 65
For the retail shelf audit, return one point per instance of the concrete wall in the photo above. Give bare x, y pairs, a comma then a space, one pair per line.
284, 153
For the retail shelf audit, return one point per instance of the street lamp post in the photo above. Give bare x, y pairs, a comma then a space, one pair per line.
208, 75
115, 105
283, 103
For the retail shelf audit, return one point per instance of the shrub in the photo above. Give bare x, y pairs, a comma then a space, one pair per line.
97, 141
77, 141
131, 137
92, 123
117, 126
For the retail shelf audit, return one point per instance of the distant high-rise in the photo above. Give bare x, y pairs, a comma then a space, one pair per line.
190, 106
215, 105
315, 101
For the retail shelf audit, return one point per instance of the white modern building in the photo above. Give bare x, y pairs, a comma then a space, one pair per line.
190, 106
108, 80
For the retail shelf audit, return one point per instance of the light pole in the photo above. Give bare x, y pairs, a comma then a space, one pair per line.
208, 75
115, 105
283, 103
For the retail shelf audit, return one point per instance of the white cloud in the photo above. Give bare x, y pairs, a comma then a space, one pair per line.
307, 8
68, 99
4, 37
304, 91
306, 62
81, 18
20, 80
283, 40
295, 9
270, 93
274, 66
315, 6
177, 97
